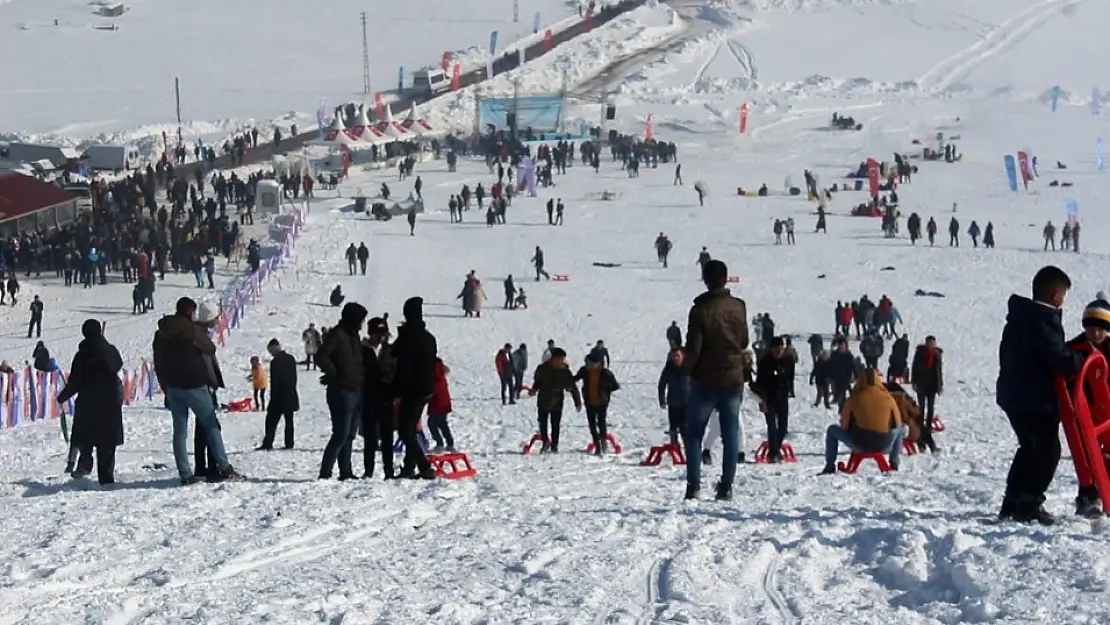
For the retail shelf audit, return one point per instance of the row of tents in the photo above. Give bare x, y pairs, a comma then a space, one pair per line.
365, 133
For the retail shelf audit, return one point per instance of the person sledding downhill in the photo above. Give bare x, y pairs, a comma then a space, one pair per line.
551, 381
870, 422
1095, 336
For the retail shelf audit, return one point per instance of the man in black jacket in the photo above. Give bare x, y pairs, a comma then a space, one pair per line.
414, 352
284, 400
378, 422
1032, 353
340, 360
180, 347
772, 386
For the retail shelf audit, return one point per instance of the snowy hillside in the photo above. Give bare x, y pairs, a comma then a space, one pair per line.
576, 539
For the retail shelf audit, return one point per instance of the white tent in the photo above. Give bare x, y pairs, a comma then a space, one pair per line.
336, 134
416, 124
365, 132
392, 128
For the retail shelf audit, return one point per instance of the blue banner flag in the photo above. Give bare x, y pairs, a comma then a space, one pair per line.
1055, 97
1011, 172
320, 112
401, 78
536, 23
493, 43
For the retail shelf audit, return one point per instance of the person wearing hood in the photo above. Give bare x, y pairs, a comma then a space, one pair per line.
415, 352
598, 386
340, 362
519, 361
284, 399
180, 350
1031, 354
98, 411
870, 422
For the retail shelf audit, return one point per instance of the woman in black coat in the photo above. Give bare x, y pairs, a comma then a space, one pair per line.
98, 411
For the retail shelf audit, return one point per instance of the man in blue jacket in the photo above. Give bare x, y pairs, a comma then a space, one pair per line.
1032, 353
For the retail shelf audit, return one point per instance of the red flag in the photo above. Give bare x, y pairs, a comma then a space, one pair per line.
456, 77
649, 130
873, 176
446, 61
380, 105
744, 118
1023, 167
589, 21
547, 40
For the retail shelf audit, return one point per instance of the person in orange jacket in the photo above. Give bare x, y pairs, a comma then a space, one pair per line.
260, 382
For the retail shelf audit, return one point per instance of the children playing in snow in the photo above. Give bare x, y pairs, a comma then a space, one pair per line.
260, 382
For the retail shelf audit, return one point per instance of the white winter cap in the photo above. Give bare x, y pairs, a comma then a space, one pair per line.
206, 312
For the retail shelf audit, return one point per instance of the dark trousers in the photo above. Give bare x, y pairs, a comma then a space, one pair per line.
595, 418
553, 418
35, 326
507, 395
927, 402
823, 395
407, 420
440, 430
259, 399
105, 462
676, 421
362, 266
518, 383
778, 420
1035, 461
346, 413
840, 395
272, 418
377, 430
205, 459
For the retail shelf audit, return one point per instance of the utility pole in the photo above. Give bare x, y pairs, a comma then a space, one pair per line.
516, 11
516, 107
365, 57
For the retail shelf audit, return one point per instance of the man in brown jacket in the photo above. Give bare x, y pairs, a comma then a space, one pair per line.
717, 357
551, 381
340, 360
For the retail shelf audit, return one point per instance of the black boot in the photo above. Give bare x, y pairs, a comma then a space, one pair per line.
692, 491
724, 492
706, 458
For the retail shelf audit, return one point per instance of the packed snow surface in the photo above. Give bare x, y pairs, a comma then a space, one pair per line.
575, 539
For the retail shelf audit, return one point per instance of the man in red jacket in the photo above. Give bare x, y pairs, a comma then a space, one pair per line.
504, 364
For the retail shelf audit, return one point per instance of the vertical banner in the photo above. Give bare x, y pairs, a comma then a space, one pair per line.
379, 106
1011, 172
1101, 159
489, 66
1096, 101
493, 43
1023, 168
1055, 97
445, 62
320, 112
872, 177
589, 21
536, 23
649, 129
1073, 212
744, 117
522, 52
401, 78
456, 77
547, 40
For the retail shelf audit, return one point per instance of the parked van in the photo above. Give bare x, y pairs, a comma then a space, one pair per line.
431, 82
110, 157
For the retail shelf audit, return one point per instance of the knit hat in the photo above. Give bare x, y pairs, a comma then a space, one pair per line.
91, 329
413, 309
377, 324
273, 344
1097, 315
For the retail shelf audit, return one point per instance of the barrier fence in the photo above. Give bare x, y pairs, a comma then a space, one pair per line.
29, 395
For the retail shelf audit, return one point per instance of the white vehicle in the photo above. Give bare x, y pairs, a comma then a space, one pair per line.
431, 81
111, 157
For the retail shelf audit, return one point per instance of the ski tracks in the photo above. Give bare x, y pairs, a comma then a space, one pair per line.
744, 58
771, 588
957, 67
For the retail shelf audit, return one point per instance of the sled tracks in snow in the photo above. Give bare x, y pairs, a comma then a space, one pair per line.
744, 58
774, 594
1008, 34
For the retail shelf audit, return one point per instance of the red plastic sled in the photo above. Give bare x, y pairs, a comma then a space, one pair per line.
856, 458
243, 405
655, 455
762, 455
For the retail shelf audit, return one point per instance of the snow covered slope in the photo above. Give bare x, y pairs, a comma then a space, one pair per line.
574, 539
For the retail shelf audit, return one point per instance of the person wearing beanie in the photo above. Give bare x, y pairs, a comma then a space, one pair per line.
1031, 355
284, 400
185, 365
1095, 336
717, 360
98, 411
340, 361
415, 352
927, 379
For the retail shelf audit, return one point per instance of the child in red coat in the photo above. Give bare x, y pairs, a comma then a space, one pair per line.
438, 408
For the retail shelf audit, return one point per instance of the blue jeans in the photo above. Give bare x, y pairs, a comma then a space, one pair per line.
836, 435
346, 415
180, 401
700, 404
